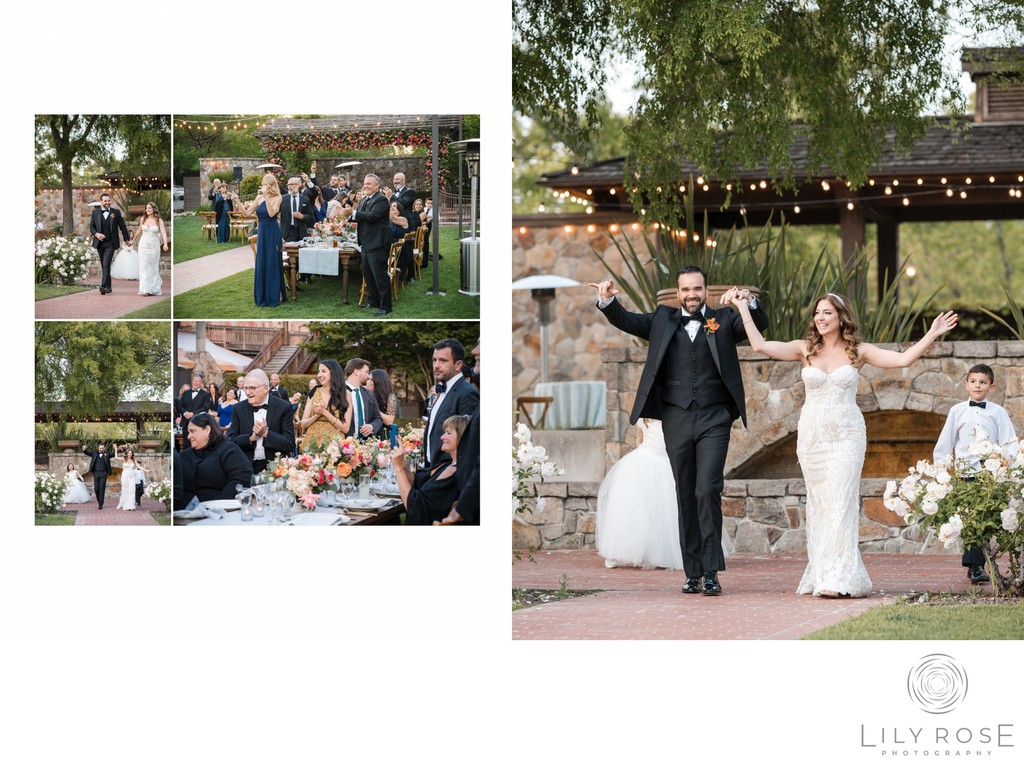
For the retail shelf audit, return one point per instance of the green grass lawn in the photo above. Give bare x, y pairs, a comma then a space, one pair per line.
186, 242
66, 519
231, 298
163, 518
43, 292
157, 310
930, 622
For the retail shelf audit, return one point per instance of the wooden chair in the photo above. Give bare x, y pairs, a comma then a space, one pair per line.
417, 248
252, 244
523, 404
240, 224
395, 273
209, 229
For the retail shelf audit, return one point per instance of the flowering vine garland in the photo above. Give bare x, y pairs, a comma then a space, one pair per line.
275, 144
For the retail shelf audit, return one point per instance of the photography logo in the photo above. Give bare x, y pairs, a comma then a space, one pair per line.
937, 684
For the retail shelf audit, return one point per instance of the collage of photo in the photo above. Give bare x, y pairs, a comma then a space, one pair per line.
257, 320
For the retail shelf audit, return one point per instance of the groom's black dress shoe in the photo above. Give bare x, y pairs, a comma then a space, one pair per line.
692, 585
978, 574
711, 586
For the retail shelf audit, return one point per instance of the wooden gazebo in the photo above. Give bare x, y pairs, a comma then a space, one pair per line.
139, 413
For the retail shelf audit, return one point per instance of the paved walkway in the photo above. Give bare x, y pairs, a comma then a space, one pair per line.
202, 271
89, 514
758, 601
89, 304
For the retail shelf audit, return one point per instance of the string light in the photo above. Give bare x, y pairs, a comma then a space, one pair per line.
705, 187
568, 229
612, 191
949, 192
682, 188
796, 209
753, 187
613, 228
591, 228
590, 209
575, 170
967, 180
763, 184
825, 186
895, 182
849, 206
991, 179
920, 181
906, 201
636, 226
911, 272
942, 180
871, 182
522, 229
963, 195
700, 180
888, 190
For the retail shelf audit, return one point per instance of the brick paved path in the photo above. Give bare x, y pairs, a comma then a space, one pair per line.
89, 304
89, 514
757, 602
210, 268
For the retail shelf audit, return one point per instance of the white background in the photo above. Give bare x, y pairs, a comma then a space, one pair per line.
167, 646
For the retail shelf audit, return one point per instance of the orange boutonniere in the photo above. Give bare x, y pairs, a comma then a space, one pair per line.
710, 326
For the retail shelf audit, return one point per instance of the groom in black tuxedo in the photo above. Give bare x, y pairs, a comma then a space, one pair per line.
99, 466
691, 382
105, 225
262, 425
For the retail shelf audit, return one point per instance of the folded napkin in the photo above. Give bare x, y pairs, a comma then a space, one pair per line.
196, 513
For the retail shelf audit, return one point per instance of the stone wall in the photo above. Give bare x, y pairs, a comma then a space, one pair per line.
767, 515
50, 207
159, 463
578, 331
415, 169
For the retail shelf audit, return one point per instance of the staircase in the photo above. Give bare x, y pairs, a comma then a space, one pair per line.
280, 359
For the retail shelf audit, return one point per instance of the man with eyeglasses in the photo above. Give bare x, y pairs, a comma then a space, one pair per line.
262, 425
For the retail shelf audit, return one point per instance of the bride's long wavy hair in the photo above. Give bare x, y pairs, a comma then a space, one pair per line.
156, 210
848, 330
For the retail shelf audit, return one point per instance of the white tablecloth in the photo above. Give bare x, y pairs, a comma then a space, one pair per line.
576, 404
315, 260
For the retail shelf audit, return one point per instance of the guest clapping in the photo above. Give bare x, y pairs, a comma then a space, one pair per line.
262, 425
429, 494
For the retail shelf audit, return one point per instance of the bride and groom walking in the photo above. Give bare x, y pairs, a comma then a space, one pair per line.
691, 382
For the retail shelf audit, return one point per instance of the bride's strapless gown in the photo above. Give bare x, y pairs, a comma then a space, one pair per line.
149, 261
830, 445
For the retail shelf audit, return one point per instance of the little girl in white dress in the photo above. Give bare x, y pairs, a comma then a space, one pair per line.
637, 510
75, 489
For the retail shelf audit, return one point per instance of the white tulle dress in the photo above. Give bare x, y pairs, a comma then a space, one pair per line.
831, 439
75, 489
126, 264
637, 511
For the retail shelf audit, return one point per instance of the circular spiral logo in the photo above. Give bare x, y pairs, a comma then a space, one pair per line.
937, 683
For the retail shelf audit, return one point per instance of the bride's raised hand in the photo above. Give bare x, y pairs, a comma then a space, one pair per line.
944, 322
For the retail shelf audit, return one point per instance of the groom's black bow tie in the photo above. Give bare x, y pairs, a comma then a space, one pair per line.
973, 403
693, 318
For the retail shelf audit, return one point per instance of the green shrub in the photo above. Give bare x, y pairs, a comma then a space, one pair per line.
250, 185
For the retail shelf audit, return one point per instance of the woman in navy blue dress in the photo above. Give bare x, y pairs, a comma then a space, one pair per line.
222, 204
269, 280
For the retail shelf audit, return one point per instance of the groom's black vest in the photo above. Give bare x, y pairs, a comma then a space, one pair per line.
689, 374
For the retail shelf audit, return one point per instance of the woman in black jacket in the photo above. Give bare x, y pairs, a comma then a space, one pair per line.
212, 467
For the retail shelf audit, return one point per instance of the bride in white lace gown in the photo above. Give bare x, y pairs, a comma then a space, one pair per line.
637, 510
831, 437
152, 237
128, 480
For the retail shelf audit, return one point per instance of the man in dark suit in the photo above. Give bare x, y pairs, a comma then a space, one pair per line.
105, 225
262, 425
99, 466
455, 396
402, 194
195, 400
468, 505
373, 231
276, 389
691, 382
366, 419
296, 212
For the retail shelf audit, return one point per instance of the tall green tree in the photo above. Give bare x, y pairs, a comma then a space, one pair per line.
404, 349
731, 83
91, 366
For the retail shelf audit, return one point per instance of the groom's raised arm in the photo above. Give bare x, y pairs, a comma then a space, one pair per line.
627, 321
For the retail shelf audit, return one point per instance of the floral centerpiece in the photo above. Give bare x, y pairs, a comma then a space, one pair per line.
411, 438
161, 492
49, 493
529, 463
974, 507
325, 465
62, 261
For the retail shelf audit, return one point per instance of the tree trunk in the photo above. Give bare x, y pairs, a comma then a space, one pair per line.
68, 198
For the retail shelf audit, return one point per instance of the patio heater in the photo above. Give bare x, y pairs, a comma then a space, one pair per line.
542, 289
470, 246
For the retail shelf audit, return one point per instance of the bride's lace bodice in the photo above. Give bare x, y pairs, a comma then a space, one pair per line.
654, 437
830, 413
150, 231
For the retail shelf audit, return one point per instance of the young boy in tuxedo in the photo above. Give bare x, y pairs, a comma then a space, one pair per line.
967, 423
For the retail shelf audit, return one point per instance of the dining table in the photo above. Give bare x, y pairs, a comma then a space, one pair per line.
321, 516
320, 260
575, 404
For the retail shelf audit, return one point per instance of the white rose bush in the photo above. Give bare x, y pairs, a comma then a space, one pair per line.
970, 507
62, 261
529, 463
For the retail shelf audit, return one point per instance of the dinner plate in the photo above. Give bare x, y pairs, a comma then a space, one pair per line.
222, 505
390, 495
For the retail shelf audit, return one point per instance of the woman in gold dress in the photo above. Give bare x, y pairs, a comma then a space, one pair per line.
328, 413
